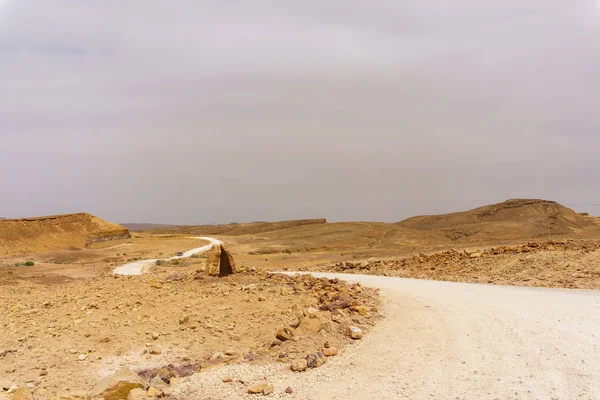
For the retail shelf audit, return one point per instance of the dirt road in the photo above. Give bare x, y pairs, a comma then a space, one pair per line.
446, 340
139, 267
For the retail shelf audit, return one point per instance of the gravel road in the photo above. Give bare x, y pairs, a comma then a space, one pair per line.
139, 267
446, 340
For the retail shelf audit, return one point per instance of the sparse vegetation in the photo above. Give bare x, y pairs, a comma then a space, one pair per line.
29, 264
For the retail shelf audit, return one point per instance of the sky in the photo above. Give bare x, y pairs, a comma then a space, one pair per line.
201, 112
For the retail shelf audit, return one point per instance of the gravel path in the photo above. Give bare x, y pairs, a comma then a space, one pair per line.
446, 340
139, 267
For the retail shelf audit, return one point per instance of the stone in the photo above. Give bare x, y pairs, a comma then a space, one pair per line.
362, 310
156, 381
155, 335
312, 324
5, 385
250, 357
184, 320
230, 352
137, 394
21, 394
155, 350
284, 334
154, 392
263, 388
82, 357
118, 385
330, 351
228, 379
289, 390
299, 365
219, 262
167, 374
354, 333
315, 360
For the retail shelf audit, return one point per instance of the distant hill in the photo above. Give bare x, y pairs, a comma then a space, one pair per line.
139, 227
236, 229
512, 219
57, 232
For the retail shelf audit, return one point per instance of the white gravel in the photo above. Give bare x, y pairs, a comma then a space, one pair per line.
445, 340
140, 267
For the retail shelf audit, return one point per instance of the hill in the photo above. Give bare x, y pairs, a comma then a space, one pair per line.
512, 219
140, 227
236, 229
57, 232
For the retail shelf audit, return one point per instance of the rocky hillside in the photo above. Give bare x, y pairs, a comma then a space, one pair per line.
236, 229
512, 219
59, 232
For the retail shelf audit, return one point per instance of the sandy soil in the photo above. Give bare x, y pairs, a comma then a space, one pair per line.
444, 340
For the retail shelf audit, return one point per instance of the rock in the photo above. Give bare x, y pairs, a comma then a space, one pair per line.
263, 388
184, 320
262, 298
154, 392
289, 390
326, 345
167, 374
137, 394
362, 310
230, 352
315, 360
330, 351
155, 350
219, 262
5, 385
250, 357
155, 335
21, 394
156, 381
118, 385
299, 365
82, 357
312, 324
284, 334
476, 255
354, 332
228, 379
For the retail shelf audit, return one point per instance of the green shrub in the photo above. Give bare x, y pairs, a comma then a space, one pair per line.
29, 264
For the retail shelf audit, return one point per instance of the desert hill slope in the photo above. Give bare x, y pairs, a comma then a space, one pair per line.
236, 229
512, 219
58, 232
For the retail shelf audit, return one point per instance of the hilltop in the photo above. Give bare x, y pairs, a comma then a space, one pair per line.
512, 219
233, 229
56, 232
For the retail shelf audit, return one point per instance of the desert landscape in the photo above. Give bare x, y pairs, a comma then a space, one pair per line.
74, 327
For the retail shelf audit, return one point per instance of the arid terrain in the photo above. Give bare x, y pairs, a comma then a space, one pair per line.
67, 321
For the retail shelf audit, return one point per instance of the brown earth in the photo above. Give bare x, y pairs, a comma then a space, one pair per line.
65, 337
110, 321
43, 234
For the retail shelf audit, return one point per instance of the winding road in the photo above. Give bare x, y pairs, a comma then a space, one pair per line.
446, 340
140, 267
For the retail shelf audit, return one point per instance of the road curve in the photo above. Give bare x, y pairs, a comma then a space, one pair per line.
446, 340
140, 267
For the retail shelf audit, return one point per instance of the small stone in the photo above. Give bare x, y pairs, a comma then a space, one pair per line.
327, 345
156, 381
155, 350
166, 375
284, 334
355, 333
263, 388
137, 394
250, 357
118, 385
262, 298
154, 392
330, 352
299, 365
315, 360
155, 335
5, 385
289, 390
230, 352
184, 320
228, 379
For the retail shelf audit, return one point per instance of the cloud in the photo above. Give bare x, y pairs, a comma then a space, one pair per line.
364, 110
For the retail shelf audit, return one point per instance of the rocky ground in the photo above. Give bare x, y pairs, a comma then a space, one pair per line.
61, 339
571, 264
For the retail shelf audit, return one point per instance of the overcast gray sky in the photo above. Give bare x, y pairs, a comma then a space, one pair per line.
193, 111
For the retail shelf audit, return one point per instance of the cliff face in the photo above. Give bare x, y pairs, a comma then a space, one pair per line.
58, 232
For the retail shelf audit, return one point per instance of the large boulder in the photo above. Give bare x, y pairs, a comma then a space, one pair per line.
219, 262
118, 385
